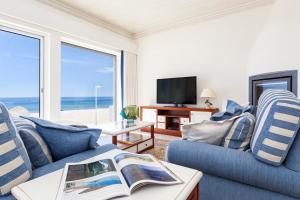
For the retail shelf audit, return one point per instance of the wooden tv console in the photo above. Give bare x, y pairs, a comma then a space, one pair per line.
169, 120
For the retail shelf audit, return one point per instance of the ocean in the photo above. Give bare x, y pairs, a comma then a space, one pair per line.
67, 103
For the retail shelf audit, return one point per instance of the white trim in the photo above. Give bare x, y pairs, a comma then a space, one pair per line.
90, 18
89, 45
212, 14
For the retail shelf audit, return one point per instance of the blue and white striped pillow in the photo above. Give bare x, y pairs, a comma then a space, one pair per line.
239, 135
15, 167
36, 147
277, 124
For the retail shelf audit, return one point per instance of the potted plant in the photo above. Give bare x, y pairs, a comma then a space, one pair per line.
130, 113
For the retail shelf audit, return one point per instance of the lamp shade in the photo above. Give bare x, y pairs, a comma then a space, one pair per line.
208, 93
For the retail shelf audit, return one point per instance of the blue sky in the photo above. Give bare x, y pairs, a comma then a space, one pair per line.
19, 65
81, 70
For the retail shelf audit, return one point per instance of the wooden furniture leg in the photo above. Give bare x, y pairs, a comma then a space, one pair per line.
152, 134
115, 140
194, 194
152, 131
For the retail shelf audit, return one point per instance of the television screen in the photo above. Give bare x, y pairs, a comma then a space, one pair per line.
177, 90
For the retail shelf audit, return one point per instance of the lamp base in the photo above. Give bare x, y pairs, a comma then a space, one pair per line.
208, 103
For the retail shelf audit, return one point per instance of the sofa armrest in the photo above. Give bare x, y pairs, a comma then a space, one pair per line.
234, 165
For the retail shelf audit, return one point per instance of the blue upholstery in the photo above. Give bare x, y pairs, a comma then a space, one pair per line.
237, 166
61, 163
293, 158
64, 141
239, 135
277, 125
216, 188
15, 166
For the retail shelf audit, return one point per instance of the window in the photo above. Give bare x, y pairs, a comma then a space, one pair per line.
87, 85
20, 70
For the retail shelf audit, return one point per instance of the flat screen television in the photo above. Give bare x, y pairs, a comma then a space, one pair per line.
177, 91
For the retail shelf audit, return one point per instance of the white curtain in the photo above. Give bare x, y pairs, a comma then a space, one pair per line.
130, 79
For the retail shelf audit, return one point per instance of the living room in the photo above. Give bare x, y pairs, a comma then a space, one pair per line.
103, 67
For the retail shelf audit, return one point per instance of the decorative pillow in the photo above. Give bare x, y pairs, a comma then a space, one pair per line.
239, 135
36, 147
64, 141
209, 132
15, 167
233, 109
277, 124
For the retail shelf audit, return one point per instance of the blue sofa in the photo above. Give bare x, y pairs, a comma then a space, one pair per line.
231, 174
61, 163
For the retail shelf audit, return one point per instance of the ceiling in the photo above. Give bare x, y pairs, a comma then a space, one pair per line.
136, 18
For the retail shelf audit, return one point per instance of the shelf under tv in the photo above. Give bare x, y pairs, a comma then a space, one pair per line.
164, 117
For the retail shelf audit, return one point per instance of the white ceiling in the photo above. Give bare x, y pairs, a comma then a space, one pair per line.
136, 18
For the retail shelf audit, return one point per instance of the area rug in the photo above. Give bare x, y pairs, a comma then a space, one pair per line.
159, 149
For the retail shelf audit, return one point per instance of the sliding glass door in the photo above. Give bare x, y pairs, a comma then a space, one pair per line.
20, 64
87, 85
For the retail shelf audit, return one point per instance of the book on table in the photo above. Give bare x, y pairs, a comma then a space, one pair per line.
109, 178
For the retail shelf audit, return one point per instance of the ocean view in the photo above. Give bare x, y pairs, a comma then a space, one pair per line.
67, 103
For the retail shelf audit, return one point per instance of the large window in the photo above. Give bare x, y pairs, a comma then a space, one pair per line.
20, 70
87, 85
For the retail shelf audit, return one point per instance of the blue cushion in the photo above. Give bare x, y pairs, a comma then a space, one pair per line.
36, 147
239, 135
64, 141
15, 167
232, 109
277, 124
293, 158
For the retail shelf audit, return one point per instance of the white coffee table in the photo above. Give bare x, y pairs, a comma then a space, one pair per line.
122, 136
46, 187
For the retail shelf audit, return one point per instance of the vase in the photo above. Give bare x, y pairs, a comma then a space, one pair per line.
130, 122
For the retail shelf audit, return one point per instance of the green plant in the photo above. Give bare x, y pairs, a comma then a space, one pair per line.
130, 112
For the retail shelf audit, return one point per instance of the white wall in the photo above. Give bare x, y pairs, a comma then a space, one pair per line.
55, 25
215, 51
278, 46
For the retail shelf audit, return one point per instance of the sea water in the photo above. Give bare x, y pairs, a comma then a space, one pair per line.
67, 103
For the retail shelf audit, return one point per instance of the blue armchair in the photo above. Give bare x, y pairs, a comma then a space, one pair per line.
230, 174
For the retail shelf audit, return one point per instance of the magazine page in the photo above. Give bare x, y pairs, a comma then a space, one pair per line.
141, 169
95, 180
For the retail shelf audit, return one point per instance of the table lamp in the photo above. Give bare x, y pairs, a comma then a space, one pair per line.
208, 94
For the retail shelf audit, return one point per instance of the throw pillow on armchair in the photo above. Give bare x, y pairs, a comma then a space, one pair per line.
209, 132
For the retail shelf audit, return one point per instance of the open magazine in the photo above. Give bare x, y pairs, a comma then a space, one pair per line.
109, 178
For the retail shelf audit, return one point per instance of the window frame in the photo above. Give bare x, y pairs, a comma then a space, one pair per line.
25, 33
97, 48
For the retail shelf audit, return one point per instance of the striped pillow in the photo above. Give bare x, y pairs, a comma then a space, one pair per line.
36, 147
15, 167
240, 133
277, 124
